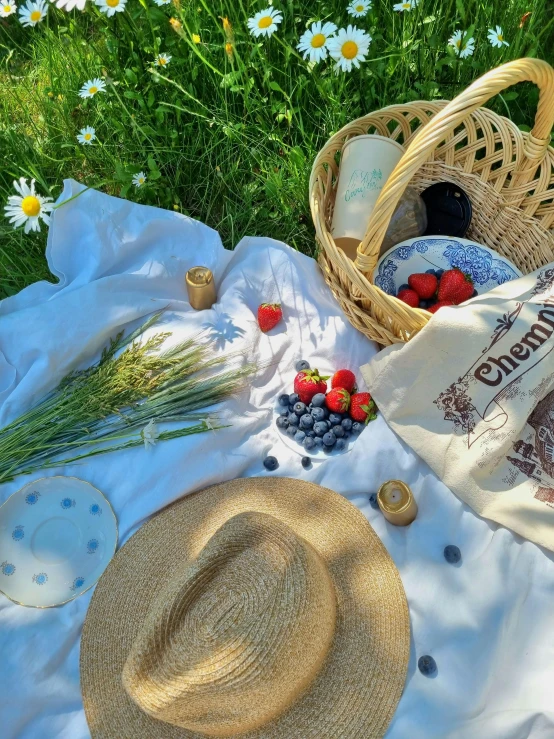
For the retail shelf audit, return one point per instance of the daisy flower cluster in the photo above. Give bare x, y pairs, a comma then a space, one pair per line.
464, 46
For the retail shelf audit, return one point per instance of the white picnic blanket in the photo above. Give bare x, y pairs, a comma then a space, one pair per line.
488, 623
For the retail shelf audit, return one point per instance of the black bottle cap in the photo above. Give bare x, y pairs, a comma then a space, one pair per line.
448, 210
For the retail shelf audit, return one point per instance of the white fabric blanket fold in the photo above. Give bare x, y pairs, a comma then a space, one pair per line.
487, 622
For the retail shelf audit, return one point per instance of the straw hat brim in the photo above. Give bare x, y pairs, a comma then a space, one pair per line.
357, 691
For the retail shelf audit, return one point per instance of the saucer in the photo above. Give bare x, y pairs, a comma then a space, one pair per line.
57, 536
487, 268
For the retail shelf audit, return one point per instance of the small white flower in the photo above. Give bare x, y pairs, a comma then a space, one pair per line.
348, 48
162, 60
28, 207
463, 47
359, 8
265, 22
70, 4
7, 8
90, 88
33, 13
86, 135
150, 434
162, 2
405, 6
110, 7
496, 37
313, 42
139, 179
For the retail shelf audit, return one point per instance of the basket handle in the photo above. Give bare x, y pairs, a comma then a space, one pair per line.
446, 120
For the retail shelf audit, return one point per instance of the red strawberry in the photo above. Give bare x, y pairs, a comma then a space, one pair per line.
338, 400
362, 408
409, 296
424, 284
308, 383
455, 286
344, 378
440, 304
269, 315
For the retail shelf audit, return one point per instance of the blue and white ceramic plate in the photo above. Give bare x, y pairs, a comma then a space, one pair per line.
487, 268
57, 536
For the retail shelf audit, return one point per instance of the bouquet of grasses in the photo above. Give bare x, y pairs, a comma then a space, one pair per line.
118, 402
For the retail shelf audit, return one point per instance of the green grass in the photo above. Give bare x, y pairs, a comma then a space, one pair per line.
227, 139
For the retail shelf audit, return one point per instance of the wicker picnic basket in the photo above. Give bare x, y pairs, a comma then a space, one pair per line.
508, 175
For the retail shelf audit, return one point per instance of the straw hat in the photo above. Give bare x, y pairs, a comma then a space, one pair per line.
257, 608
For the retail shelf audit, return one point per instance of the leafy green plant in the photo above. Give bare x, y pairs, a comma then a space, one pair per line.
227, 131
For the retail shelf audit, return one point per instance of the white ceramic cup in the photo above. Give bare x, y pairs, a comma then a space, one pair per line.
366, 164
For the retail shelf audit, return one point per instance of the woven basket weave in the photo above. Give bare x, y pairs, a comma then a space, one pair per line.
508, 175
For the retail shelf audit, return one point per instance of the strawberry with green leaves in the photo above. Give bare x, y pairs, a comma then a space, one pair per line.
338, 400
362, 408
308, 383
455, 286
269, 315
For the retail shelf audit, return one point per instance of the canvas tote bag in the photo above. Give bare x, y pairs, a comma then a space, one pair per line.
473, 395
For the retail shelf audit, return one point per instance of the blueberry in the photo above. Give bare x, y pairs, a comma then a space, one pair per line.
338, 431
318, 441
404, 287
271, 463
300, 408
318, 414
293, 398
452, 554
284, 413
306, 463
439, 273
357, 427
423, 303
328, 449
341, 445
301, 365
427, 665
299, 437
346, 423
373, 501
282, 423
318, 401
291, 431
308, 444
335, 418
429, 271
329, 439
306, 421
346, 434
293, 419
474, 294
320, 428
311, 434
284, 399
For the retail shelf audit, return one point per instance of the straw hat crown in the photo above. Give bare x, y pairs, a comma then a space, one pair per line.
238, 634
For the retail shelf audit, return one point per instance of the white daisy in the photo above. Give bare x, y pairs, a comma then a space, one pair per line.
162, 60
139, 179
358, 8
405, 6
110, 7
162, 2
86, 135
7, 8
496, 37
27, 207
150, 434
70, 4
313, 42
33, 13
90, 88
265, 22
464, 47
349, 47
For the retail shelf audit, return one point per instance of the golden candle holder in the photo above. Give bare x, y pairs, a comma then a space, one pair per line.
397, 503
201, 288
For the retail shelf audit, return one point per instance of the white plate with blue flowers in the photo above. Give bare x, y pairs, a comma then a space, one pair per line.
57, 536
487, 268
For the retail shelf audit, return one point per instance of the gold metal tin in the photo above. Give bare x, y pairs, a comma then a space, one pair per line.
201, 288
400, 512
